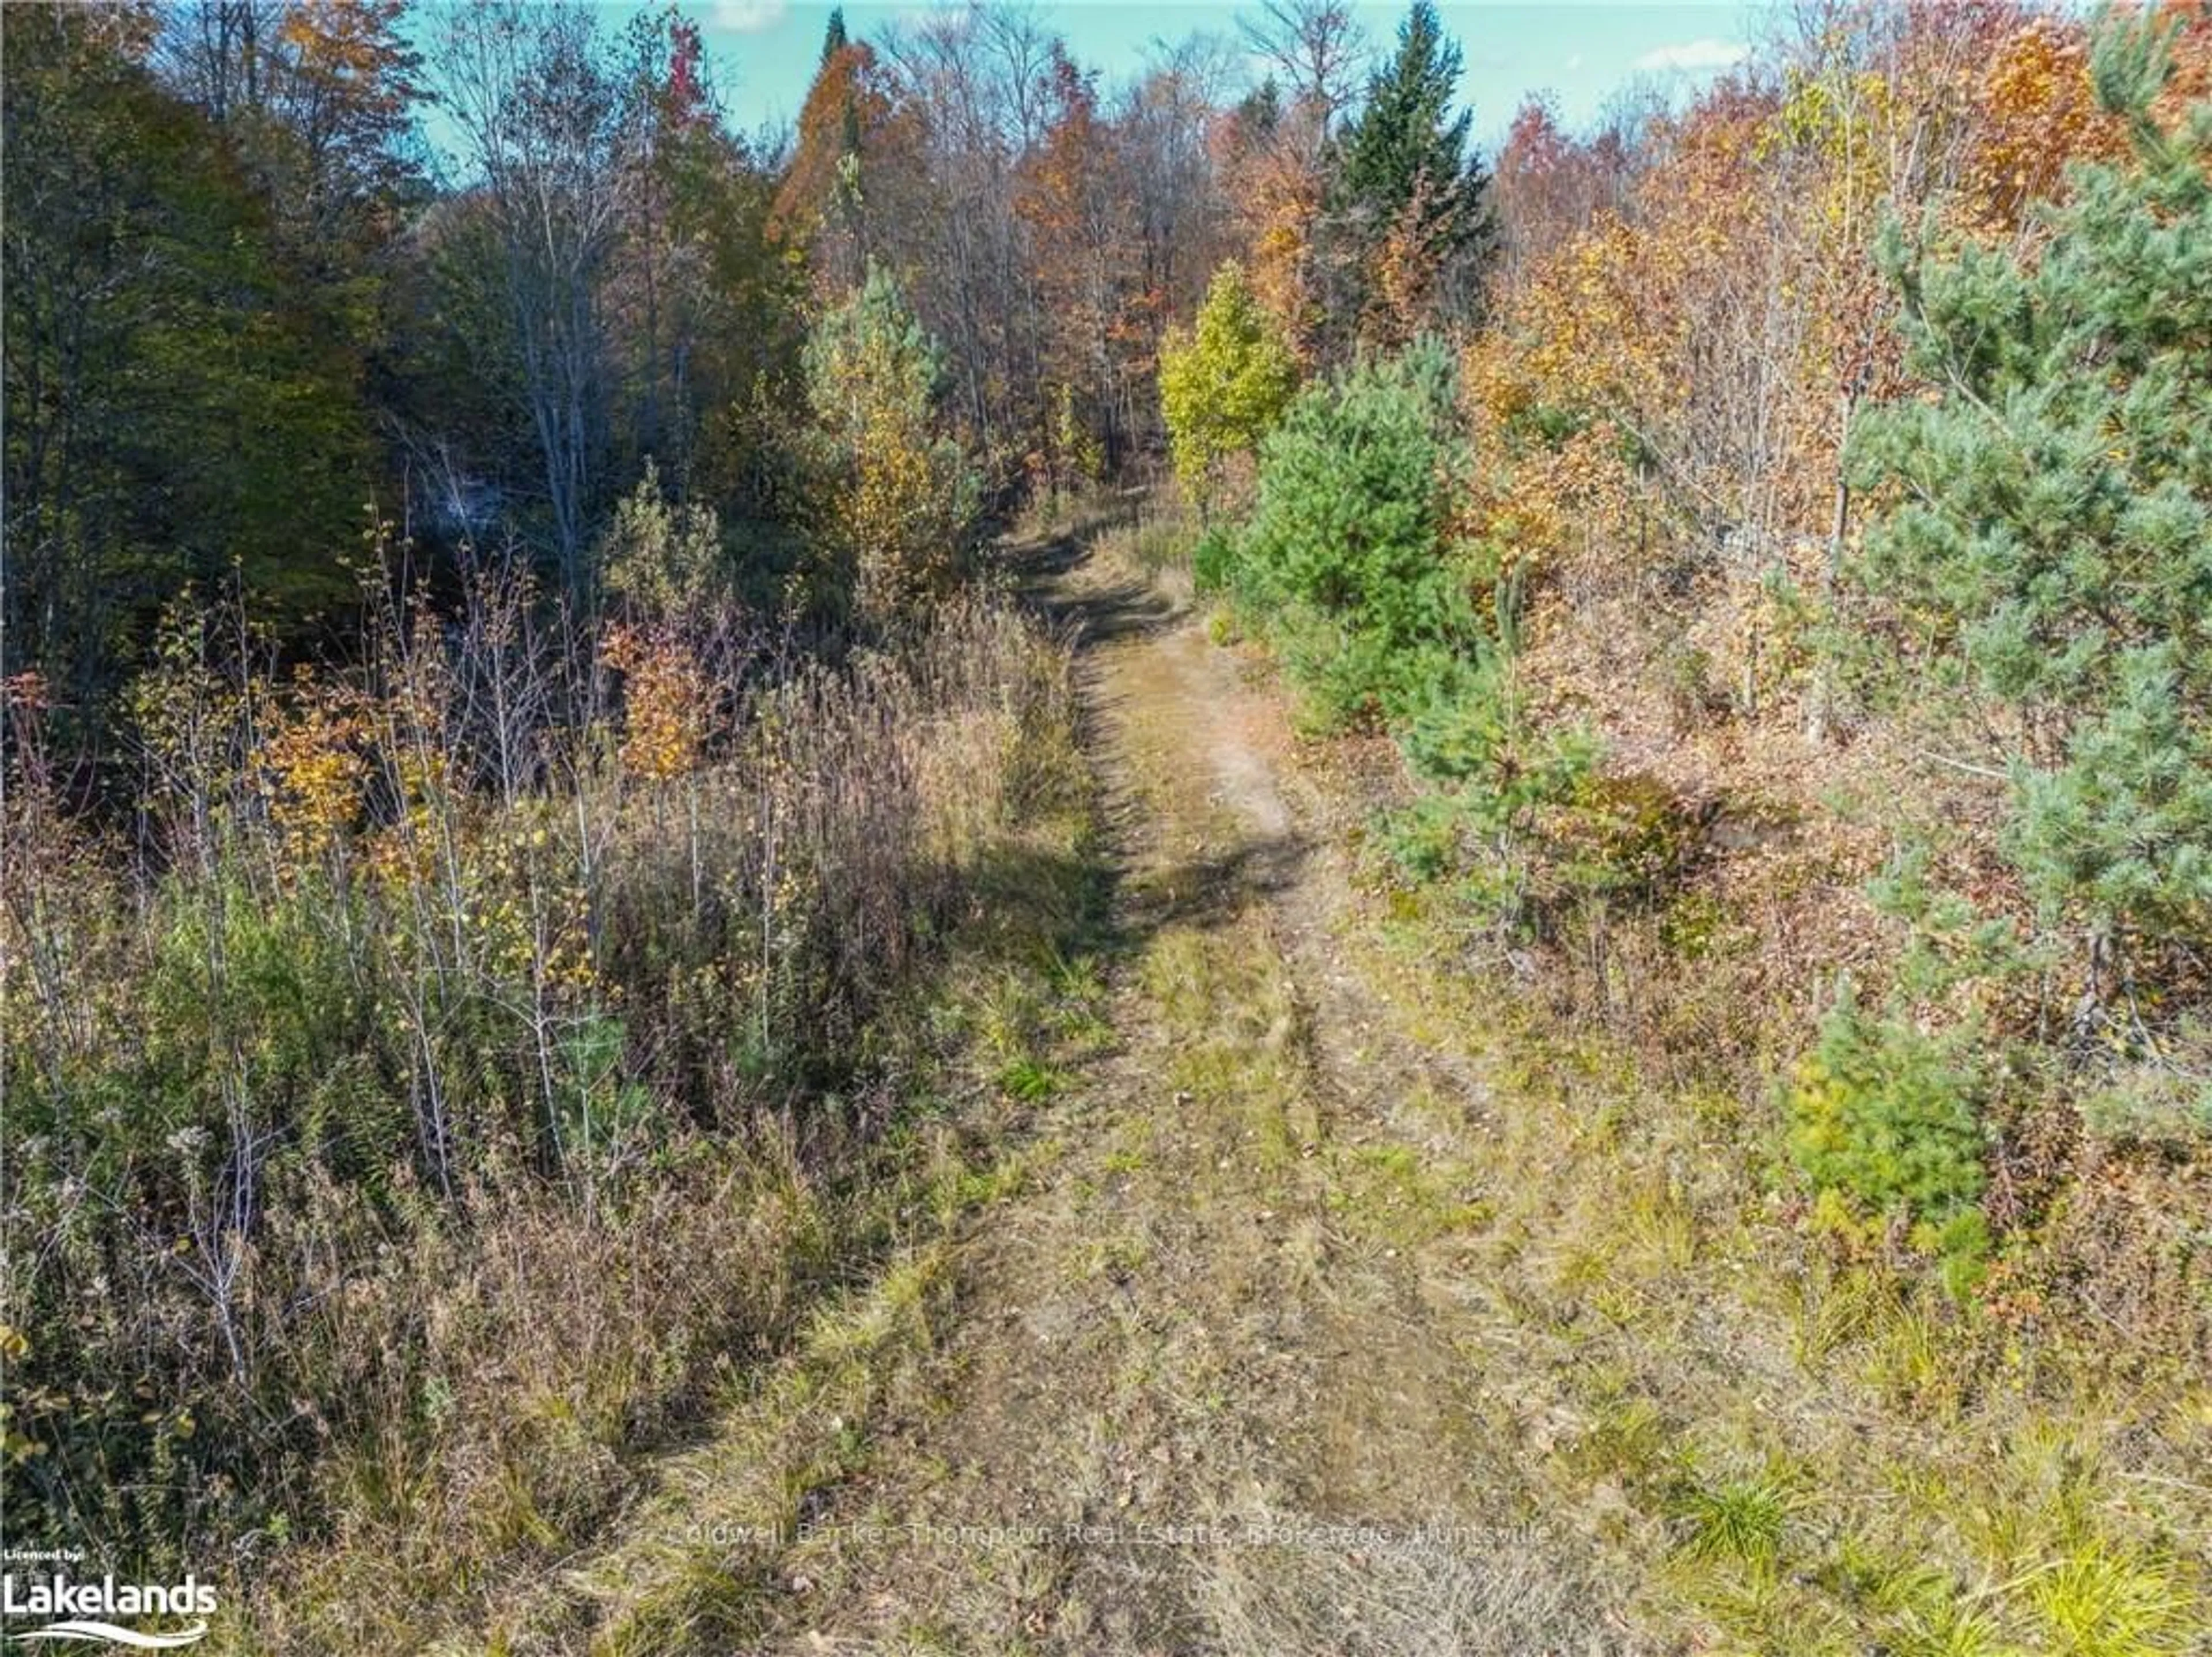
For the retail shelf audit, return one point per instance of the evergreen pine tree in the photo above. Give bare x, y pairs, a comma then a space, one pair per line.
2055, 515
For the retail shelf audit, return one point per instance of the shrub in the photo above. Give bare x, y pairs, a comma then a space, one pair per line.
2164, 1103
1457, 715
1424, 840
1212, 559
1887, 1116
665, 561
1628, 834
1348, 545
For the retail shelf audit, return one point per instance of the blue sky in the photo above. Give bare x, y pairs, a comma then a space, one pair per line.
764, 51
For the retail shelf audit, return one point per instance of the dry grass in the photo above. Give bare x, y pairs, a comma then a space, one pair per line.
564, 1110
1493, 1594
507, 1381
1786, 1448
1155, 539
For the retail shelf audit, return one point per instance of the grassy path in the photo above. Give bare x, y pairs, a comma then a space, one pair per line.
1197, 1383
1297, 1315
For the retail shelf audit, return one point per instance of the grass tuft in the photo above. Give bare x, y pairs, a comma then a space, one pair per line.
2097, 1600
1742, 1520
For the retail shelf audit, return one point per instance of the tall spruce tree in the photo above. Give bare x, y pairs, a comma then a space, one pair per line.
2054, 516
1406, 169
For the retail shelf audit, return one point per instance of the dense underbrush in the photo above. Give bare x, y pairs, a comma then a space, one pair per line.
468, 1067
1899, 835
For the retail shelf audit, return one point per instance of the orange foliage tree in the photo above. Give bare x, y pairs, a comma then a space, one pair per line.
847, 120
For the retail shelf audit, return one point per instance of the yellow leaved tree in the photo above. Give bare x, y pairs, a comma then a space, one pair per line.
896, 493
1225, 382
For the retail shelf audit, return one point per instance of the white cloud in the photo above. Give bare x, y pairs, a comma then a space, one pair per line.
747, 16
1574, 63
1694, 55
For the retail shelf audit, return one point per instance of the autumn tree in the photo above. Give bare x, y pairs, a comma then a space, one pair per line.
1550, 185
700, 302
821, 206
222, 54
1077, 216
1225, 382
1317, 48
895, 494
975, 87
1182, 220
348, 96
181, 406
1275, 160
316, 102
538, 112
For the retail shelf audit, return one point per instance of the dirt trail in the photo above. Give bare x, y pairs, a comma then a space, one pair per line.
1317, 1301
1209, 1381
